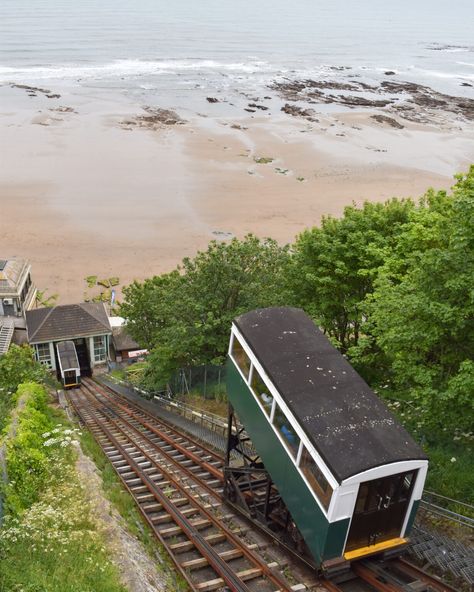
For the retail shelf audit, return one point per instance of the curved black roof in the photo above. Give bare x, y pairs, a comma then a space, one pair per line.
348, 424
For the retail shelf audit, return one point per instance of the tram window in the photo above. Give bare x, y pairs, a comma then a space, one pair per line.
405, 489
361, 498
44, 354
315, 478
240, 357
261, 391
280, 421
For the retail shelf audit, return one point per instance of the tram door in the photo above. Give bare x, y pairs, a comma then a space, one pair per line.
380, 510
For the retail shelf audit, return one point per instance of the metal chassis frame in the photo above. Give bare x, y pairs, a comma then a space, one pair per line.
240, 484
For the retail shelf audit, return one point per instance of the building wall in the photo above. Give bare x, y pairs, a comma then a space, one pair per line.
90, 350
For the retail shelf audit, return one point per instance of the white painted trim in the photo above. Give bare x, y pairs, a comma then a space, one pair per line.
416, 494
276, 395
385, 471
294, 424
53, 356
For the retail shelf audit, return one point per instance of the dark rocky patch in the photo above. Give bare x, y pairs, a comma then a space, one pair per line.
255, 106
32, 89
63, 110
390, 73
412, 101
296, 111
155, 119
212, 100
250, 110
389, 120
53, 96
466, 84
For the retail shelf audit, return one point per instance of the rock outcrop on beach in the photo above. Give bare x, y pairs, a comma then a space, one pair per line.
155, 119
409, 100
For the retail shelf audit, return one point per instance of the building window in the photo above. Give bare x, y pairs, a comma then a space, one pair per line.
315, 478
261, 391
240, 357
286, 430
100, 349
43, 354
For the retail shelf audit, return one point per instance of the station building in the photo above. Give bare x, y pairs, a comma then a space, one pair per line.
86, 324
17, 291
17, 295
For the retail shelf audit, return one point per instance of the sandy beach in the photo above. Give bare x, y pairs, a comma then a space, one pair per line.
91, 187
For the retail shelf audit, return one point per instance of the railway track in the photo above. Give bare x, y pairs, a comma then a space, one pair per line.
177, 484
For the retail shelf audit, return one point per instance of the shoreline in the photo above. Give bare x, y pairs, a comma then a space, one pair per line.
83, 194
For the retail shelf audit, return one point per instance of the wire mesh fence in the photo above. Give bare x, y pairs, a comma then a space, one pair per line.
207, 380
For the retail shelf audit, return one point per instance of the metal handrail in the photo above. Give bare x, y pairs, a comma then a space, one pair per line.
449, 499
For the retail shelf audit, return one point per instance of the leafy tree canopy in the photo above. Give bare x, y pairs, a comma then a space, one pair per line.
334, 266
185, 316
422, 314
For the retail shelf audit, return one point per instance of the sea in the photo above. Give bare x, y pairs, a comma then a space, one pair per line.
179, 51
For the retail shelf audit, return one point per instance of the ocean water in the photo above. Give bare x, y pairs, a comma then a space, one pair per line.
187, 48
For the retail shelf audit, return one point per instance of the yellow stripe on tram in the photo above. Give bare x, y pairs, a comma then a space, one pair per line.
371, 549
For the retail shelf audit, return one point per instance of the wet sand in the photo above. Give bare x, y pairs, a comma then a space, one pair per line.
83, 194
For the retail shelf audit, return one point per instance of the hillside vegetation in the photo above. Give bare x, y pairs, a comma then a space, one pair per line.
391, 284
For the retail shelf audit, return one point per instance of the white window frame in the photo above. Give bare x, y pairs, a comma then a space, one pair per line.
42, 358
102, 349
277, 398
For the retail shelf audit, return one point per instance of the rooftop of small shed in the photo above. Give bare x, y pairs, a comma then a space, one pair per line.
67, 321
351, 428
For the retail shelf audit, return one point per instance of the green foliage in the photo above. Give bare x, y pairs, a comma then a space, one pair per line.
91, 281
184, 316
50, 539
17, 366
42, 298
334, 266
264, 160
29, 462
422, 311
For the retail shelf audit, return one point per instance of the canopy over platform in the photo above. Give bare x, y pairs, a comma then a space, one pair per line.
350, 427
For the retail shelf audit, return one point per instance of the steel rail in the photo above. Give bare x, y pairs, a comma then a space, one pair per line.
421, 574
211, 490
362, 569
195, 458
215, 561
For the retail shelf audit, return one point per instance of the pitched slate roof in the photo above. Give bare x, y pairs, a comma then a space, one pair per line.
123, 341
67, 321
349, 426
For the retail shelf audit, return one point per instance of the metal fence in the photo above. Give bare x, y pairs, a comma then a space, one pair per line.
448, 508
208, 380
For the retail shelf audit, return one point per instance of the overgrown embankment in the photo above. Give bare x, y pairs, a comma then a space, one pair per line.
50, 540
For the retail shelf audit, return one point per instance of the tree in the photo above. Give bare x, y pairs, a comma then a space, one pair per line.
333, 267
422, 317
149, 307
185, 316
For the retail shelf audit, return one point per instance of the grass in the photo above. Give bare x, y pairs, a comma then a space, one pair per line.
451, 471
264, 160
50, 542
207, 405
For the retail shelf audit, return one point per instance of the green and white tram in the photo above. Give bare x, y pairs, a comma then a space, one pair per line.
69, 368
320, 460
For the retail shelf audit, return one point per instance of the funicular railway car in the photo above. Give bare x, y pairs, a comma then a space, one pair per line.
320, 460
69, 368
